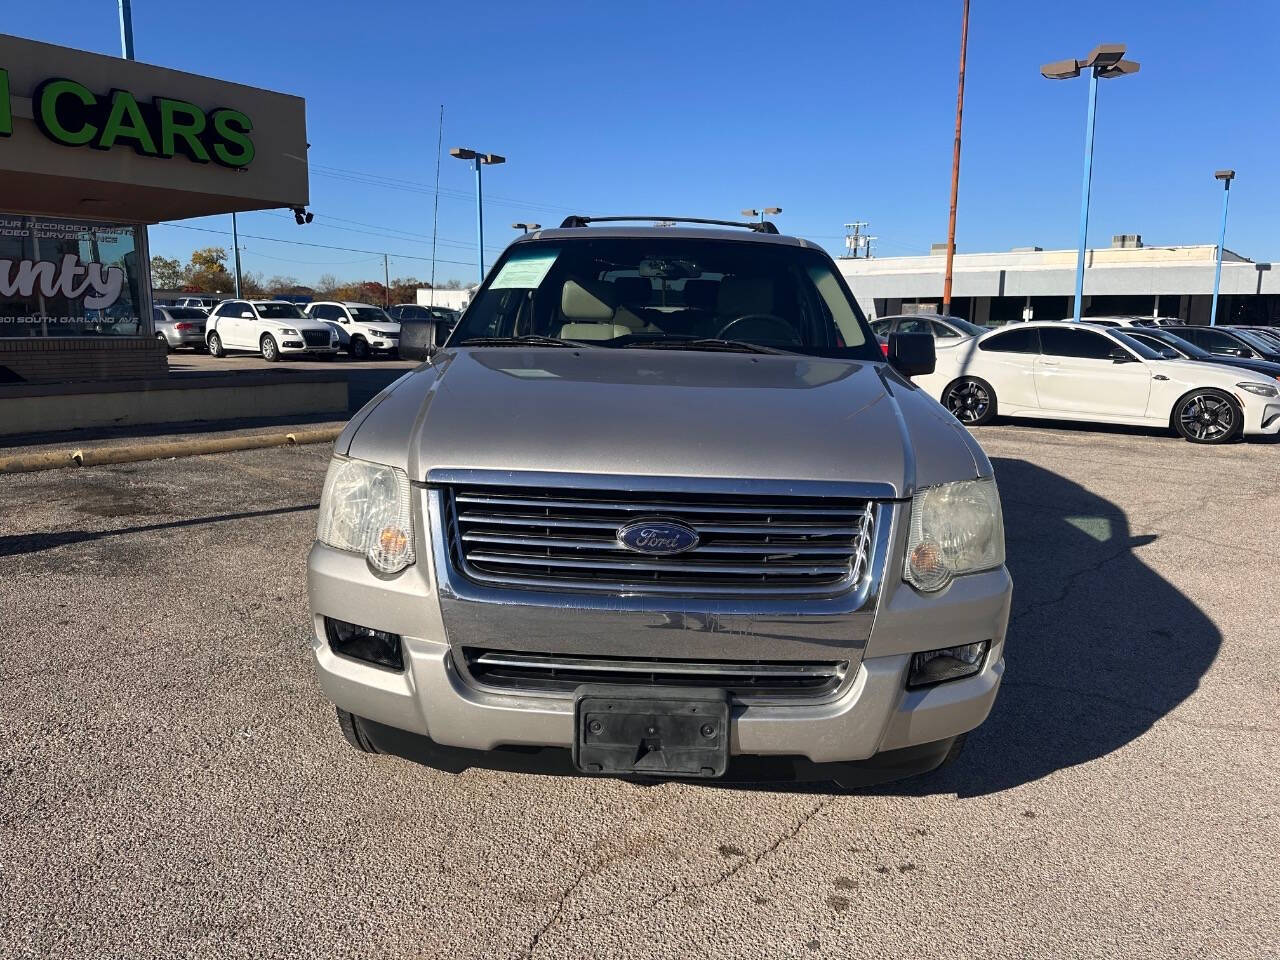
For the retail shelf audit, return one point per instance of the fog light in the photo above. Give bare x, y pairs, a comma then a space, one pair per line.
949, 663
364, 643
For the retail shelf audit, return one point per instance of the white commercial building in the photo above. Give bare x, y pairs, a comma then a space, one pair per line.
1030, 283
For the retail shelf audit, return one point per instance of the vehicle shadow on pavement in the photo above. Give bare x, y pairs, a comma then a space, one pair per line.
1100, 646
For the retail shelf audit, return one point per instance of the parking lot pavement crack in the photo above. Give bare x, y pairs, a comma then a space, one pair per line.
583, 875
1069, 584
748, 860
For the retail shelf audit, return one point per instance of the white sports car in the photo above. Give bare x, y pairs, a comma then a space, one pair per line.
1070, 371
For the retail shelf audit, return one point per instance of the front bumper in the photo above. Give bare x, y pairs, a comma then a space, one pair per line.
874, 712
1262, 417
297, 345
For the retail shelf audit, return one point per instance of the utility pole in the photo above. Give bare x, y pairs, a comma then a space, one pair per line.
1226, 176
235, 244
955, 168
386, 282
126, 30
435, 216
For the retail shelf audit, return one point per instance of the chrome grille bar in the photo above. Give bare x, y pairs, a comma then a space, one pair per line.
745, 680
748, 545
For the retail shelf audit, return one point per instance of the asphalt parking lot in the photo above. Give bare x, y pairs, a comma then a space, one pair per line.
175, 785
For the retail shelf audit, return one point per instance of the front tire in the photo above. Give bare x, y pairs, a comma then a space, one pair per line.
1207, 416
164, 342
270, 349
354, 733
358, 348
215, 346
971, 401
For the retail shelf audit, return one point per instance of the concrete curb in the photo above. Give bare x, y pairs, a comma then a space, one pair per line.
131, 453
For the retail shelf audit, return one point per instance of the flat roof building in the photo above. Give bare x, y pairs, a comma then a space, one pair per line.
1029, 283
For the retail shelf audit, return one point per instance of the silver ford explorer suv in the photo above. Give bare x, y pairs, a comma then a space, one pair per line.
661, 507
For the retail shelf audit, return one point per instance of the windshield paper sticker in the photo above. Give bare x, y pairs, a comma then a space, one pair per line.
525, 270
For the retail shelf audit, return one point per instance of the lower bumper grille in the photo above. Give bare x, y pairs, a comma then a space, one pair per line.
743, 679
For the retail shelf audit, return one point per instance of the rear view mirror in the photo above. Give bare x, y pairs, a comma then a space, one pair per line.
417, 338
912, 354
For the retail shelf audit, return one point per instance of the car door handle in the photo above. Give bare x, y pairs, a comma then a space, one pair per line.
1159, 376
1048, 363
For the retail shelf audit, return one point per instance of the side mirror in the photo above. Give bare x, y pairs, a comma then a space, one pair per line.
912, 354
1120, 355
416, 339
246, 314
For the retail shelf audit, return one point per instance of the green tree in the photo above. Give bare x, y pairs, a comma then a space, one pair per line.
208, 272
167, 273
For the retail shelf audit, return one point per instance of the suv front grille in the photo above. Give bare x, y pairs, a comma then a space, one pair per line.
745, 679
568, 539
315, 338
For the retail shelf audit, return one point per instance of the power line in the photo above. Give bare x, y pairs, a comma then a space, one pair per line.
318, 246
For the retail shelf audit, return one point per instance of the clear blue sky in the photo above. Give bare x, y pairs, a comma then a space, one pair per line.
834, 111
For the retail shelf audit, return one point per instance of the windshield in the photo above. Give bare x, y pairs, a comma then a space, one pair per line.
1184, 347
1141, 349
972, 329
1258, 341
370, 315
670, 291
278, 311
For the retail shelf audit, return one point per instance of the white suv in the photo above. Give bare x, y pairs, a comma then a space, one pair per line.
362, 328
274, 328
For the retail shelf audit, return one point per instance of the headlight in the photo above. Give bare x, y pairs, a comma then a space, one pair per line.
955, 528
365, 509
289, 332
1261, 389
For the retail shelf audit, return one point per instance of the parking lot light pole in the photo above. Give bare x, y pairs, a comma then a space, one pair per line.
1104, 62
480, 160
1226, 176
771, 211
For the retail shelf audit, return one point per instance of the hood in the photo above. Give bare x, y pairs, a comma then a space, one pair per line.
1208, 372
388, 329
665, 413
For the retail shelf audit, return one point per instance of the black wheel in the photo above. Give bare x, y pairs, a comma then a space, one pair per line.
358, 348
164, 343
354, 732
270, 349
1207, 416
971, 401
215, 345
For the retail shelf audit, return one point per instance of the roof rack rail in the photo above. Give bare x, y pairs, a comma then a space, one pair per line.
762, 226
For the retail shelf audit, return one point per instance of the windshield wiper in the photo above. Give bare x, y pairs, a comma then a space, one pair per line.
707, 343
532, 340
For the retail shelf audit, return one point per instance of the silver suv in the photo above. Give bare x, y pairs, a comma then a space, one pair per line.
662, 506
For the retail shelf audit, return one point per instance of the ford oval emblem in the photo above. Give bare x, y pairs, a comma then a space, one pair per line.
659, 537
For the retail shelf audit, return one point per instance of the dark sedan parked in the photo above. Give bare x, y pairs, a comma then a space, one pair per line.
1228, 342
1167, 343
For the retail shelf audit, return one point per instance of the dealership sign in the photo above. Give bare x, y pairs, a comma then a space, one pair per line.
69, 113
99, 285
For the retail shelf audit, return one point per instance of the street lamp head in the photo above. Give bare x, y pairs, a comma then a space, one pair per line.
1104, 55
751, 213
772, 210
492, 158
1225, 175
1061, 70
1121, 68
526, 227
462, 153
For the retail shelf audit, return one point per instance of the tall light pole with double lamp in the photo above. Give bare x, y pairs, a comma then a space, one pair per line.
1104, 62
480, 159
771, 211
1226, 176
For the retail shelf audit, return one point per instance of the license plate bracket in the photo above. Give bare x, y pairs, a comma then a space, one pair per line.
651, 731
